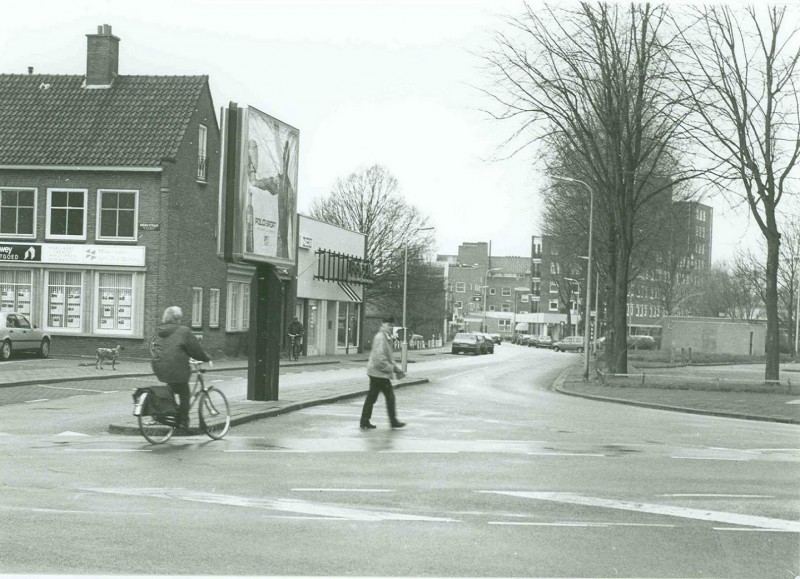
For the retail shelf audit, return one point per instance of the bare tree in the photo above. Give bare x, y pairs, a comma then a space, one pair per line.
594, 79
369, 202
789, 278
740, 77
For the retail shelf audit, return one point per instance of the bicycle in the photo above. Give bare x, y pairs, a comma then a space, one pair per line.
296, 346
213, 411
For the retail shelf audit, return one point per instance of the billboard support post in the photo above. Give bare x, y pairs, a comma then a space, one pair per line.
265, 329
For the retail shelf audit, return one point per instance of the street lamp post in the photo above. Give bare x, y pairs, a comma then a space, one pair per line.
404, 344
588, 270
486, 280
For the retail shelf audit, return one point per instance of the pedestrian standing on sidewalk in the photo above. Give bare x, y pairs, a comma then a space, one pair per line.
380, 368
172, 348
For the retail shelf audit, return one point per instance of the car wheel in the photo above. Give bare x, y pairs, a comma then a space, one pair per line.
556, 348
44, 349
580, 350
5, 350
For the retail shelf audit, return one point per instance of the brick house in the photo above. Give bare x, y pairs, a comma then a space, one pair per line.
108, 206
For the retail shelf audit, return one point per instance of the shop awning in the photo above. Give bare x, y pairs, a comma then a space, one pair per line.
520, 326
351, 293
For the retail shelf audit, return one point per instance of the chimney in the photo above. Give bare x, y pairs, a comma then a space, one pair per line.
102, 57
30, 70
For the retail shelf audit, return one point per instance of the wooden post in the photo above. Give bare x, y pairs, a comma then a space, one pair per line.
265, 334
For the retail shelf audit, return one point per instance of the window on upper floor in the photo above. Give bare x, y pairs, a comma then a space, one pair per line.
553, 287
537, 288
491, 307
506, 291
197, 307
202, 157
506, 307
17, 212
524, 298
492, 291
458, 304
117, 215
66, 213
553, 305
461, 287
213, 307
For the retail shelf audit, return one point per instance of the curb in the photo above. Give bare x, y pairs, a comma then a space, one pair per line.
559, 388
126, 429
139, 374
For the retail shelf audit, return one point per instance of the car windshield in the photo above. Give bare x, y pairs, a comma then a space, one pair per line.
465, 337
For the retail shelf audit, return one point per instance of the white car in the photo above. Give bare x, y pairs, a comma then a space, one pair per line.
18, 335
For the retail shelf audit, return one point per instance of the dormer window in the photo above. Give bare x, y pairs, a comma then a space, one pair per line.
202, 147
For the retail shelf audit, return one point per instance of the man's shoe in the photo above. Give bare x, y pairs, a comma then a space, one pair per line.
398, 424
367, 425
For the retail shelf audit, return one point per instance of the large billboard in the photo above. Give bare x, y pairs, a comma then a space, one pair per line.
258, 201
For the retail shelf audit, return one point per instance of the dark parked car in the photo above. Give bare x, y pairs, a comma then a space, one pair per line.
569, 344
496, 337
489, 342
542, 342
523, 339
472, 343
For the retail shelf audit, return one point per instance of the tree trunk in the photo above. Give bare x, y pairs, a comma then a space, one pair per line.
772, 371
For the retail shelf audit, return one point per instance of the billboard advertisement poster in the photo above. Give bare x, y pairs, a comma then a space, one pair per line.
264, 191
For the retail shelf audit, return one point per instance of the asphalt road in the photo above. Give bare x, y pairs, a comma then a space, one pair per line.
495, 475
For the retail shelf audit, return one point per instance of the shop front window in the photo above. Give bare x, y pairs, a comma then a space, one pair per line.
341, 333
115, 297
15, 291
64, 300
312, 328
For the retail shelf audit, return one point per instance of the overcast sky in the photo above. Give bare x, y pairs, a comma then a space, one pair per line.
388, 82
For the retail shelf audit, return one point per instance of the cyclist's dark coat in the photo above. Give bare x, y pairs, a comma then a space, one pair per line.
173, 347
296, 328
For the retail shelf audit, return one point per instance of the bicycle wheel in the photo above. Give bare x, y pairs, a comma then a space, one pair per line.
215, 415
154, 432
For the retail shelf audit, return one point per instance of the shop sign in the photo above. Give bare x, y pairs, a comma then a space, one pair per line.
149, 227
20, 252
305, 242
93, 254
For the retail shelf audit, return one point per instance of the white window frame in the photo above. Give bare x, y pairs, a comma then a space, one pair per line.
48, 219
491, 307
97, 304
553, 287
47, 304
505, 308
553, 305
242, 307
461, 287
458, 304
213, 307
202, 153
492, 291
197, 307
32, 234
506, 292
98, 219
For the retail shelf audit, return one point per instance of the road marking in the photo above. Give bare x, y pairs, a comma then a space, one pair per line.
68, 388
715, 495
668, 510
287, 505
578, 524
70, 433
739, 529
312, 490
108, 450
69, 512
711, 458
563, 454
793, 402
419, 451
38, 400
268, 450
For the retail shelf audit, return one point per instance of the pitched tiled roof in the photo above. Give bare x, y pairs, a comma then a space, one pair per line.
53, 120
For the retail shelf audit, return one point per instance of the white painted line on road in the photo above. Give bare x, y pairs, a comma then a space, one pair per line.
793, 402
287, 505
68, 388
38, 400
275, 450
312, 490
70, 433
448, 376
752, 530
108, 450
718, 495
418, 451
563, 454
711, 458
655, 509
578, 524
68, 512
775, 449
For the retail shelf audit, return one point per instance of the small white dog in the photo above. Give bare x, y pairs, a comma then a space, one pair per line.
104, 354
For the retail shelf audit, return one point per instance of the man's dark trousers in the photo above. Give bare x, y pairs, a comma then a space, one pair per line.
376, 386
184, 400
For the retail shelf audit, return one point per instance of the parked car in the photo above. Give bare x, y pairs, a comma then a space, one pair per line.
18, 335
489, 342
569, 344
523, 339
464, 342
496, 337
542, 342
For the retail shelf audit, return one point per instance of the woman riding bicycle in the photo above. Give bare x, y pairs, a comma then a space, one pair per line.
174, 345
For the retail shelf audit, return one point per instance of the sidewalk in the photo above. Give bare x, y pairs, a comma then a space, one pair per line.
771, 407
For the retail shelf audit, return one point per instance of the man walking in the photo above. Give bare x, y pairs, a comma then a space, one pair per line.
380, 369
